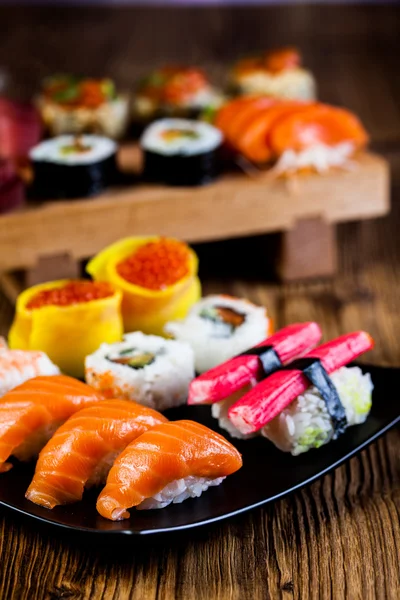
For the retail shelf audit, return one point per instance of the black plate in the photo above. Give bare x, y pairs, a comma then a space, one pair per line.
267, 475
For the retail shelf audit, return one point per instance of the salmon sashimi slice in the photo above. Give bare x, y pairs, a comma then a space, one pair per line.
253, 142
231, 108
169, 463
31, 412
322, 124
81, 452
245, 114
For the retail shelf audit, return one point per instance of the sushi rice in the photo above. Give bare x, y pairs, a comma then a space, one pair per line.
179, 490
147, 369
305, 423
220, 327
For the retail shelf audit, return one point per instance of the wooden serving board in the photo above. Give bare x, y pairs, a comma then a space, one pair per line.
42, 236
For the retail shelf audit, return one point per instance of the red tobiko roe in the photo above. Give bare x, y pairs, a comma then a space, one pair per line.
73, 292
156, 265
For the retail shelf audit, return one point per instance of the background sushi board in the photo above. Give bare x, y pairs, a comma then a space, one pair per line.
47, 239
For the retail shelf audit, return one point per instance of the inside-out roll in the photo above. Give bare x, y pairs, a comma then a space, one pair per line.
148, 369
219, 327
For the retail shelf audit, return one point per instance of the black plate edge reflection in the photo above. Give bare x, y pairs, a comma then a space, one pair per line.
215, 505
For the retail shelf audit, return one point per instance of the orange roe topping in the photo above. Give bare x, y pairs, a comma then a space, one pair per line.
73, 292
156, 265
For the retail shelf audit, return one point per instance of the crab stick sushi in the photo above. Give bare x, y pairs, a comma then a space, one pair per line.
219, 327
312, 400
253, 365
168, 464
31, 412
17, 366
148, 369
277, 73
81, 452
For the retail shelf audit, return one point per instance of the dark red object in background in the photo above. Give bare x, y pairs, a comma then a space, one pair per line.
20, 129
12, 193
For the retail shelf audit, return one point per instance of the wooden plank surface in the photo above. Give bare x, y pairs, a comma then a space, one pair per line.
340, 537
233, 206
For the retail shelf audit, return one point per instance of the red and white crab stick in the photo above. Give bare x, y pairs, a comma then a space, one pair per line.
271, 396
229, 377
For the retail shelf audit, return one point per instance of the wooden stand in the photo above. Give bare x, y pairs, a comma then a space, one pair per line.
49, 239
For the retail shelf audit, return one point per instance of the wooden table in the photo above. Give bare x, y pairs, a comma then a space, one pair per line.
340, 537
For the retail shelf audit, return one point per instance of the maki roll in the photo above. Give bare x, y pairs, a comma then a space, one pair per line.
73, 167
219, 327
174, 92
148, 369
311, 401
277, 73
70, 104
181, 152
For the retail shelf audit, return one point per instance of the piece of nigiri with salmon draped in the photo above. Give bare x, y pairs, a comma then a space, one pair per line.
223, 385
31, 412
169, 463
312, 400
82, 451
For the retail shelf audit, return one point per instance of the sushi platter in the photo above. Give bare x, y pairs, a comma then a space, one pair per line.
158, 395
182, 157
267, 476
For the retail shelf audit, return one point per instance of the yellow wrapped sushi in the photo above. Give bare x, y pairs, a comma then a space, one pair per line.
157, 277
67, 319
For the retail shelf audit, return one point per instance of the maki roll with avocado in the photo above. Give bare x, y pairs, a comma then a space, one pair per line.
147, 369
219, 327
70, 104
73, 167
174, 92
181, 152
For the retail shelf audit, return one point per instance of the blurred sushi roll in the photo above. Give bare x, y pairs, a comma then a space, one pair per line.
147, 369
73, 166
70, 104
17, 366
174, 92
219, 327
277, 73
181, 152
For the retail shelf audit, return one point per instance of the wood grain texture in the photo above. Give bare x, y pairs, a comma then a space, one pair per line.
340, 537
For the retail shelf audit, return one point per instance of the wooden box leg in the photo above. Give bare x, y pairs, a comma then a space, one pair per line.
48, 268
307, 251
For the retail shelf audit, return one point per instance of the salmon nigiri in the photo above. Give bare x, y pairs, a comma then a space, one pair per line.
31, 412
82, 450
169, 463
